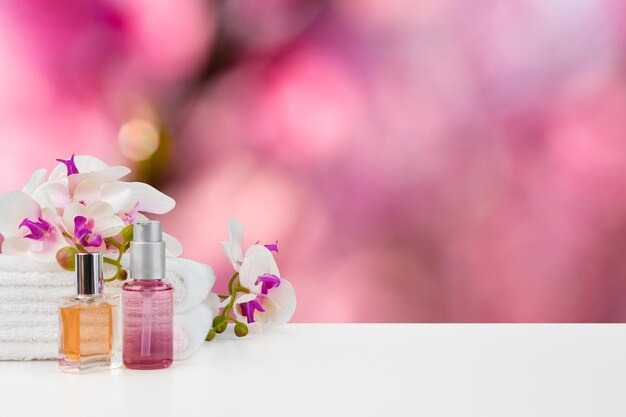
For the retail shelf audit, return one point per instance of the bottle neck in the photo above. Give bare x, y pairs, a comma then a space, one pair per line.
156, 280
85, 298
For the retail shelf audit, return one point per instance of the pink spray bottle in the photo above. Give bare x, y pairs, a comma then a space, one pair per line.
147, 302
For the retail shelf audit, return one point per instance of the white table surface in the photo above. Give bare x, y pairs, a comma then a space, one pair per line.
352, 370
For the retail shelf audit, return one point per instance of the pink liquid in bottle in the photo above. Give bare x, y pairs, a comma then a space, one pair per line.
147, 303
148, 327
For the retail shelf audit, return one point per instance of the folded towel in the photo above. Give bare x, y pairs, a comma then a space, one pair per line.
29, 292
26, 351
190, 329
39, 340
25, 279
42, 333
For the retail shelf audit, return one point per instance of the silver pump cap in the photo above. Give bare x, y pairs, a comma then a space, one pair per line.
147, 251
89, 273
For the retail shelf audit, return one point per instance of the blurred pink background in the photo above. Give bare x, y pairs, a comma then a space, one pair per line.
436, 161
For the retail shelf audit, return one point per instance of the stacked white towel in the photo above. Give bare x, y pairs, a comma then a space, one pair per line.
30, 289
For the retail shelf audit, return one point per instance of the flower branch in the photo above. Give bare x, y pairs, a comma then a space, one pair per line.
257, 295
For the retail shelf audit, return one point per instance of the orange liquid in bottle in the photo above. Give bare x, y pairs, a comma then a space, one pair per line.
87, 331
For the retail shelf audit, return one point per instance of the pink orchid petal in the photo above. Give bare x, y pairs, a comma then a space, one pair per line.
106, 175
88, 191
279, 304
100, 209
108, 226
15, 206
150, 199
119, 196
71, 212
257, 261
36, 179
53, 195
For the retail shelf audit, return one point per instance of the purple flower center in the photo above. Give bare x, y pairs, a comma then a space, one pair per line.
268, 281
38, 230
247, 309
131, 216
83, 231
71, 166
273, 247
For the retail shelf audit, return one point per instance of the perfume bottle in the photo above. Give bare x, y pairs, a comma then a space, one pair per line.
89, 331
147, 302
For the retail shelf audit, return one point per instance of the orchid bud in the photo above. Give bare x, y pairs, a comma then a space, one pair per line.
219, 319
66, 258
220, 328
123, 275
241, 329
210, 335
127, 233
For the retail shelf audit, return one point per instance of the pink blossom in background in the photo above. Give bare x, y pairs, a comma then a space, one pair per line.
434, 161
75, 71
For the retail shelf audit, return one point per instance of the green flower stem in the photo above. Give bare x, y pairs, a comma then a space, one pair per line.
229, 306
233, 288
232, 292
120, 254
114, 242
122, 248
230, 283
117, 265
240, 288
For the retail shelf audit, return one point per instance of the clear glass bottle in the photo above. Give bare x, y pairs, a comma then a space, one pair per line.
89, 330
147, 302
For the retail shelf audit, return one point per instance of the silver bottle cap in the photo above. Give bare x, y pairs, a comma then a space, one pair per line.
147, 251
89, 273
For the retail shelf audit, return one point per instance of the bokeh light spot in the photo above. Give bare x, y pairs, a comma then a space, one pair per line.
138, 139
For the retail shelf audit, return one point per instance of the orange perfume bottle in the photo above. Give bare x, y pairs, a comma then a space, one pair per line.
89, 331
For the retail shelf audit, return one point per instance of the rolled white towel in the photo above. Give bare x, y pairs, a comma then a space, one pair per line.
192, 282
190, 329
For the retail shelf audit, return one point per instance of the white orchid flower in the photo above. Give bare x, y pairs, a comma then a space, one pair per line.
234, 247
126, 198
36, 179
27, 228
270, 296
83, 202
91, 224
275, 308
258, 261
59, 190
81, 168
97, 182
